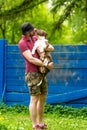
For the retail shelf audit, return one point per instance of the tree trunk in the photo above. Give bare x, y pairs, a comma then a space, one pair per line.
3, 30
86, 11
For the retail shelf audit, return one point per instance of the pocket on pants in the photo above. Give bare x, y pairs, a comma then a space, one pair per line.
33, 79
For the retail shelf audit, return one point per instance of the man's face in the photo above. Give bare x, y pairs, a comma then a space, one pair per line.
32, 33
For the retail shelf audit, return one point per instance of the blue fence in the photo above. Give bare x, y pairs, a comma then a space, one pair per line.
67, 82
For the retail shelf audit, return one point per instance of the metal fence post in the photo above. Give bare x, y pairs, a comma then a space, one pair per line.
2, 67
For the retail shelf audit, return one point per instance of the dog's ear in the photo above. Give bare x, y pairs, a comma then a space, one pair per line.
41, 32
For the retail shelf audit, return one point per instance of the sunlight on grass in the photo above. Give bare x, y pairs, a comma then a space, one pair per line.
60, 119
1, 118
63, 123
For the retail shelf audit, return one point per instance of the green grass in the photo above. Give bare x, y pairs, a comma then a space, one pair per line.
58, 118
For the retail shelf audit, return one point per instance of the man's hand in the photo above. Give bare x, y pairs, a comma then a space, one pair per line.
49, 66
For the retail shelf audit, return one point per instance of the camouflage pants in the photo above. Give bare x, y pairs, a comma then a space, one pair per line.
36, 83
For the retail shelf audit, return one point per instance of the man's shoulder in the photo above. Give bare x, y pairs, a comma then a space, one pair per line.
21, 42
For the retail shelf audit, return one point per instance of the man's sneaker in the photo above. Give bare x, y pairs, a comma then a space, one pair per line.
36, 127
43, 126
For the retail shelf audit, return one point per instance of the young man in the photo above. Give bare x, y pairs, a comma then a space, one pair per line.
37, 84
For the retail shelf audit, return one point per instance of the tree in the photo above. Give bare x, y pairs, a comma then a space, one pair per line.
72, 11
12, 9
68, 9
67, 18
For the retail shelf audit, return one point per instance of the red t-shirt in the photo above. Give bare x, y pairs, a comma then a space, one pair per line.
26, 44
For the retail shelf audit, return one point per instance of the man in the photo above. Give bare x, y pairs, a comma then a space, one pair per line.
37, 84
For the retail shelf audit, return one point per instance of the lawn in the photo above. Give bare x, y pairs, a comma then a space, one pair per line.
58, 118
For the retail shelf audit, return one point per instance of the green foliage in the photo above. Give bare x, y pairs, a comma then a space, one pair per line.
16, 7
66, 23
48, 109
3, 127
56, 117
66, 111
16, 108
57, 109
71, 18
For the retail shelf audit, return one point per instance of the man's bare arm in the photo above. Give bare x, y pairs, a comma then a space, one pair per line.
27, 54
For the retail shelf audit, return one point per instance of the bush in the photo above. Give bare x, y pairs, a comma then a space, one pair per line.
49, 109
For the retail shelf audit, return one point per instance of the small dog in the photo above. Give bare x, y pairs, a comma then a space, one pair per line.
43, 48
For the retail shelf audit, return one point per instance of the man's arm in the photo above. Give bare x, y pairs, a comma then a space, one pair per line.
27, 54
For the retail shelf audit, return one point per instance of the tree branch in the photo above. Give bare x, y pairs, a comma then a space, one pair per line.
67, 13
26, 4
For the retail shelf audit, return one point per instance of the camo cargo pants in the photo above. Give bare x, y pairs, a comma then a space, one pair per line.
36, 83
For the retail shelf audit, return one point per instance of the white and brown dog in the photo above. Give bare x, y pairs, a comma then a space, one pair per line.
43, 48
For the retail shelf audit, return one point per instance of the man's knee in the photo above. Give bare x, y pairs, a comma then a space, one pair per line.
43, 97
34, 99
